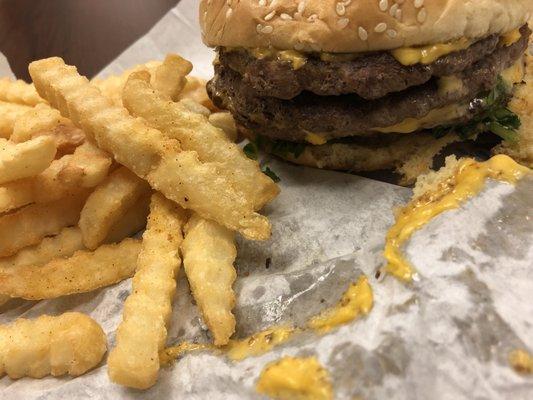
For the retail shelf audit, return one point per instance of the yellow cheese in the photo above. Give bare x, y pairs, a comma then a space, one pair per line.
434, 117
172, 353
521, 361
295, 58
356, 301
295, 379
466, 182
511, 37
258, 343
428, 54
515, 73
315, 139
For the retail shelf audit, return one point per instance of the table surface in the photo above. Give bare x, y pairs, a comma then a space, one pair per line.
86, 33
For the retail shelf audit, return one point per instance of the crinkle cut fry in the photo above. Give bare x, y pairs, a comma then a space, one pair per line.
195, 133
177, 174
134, 362
71, 343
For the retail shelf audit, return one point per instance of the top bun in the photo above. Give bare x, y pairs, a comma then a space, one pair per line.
350, 26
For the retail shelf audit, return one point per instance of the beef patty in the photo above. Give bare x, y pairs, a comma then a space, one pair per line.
370, 76
349, 115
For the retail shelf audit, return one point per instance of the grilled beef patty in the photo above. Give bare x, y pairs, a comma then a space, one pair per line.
349, 115
370, 76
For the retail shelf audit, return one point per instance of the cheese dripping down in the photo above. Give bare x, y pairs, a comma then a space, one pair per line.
466, 181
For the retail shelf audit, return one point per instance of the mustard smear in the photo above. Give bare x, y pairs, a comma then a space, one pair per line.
259, 343
295, 379
521, 361
466, 182
357, 300
168, 355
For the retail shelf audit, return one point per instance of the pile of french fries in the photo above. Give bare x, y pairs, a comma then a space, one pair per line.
85, 165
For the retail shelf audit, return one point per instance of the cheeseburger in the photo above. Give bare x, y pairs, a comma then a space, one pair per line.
366, 85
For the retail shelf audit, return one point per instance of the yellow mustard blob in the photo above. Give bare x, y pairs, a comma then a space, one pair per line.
467, 180
259, 343
295, 379
315, 139
170, 354
356, 301
521, 361
428, 54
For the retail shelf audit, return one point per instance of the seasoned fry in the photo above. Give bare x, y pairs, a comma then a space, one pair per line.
18, 92
70, 343
225, 121
108, 204
86, 168
112, 86
195, 133
179, 175
9, 113
169, 78
26, 159
208, 255
134, 362
37, 119
31, 224
66, 243
84, 271
195, 90
132, 222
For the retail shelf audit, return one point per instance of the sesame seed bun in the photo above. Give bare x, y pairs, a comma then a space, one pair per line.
352, 26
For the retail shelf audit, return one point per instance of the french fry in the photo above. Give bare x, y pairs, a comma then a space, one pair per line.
112, 86
9, 113
108, 204
85, 168
132, 222
225, 121
37, 119
71, 343
195, 133
26, 159
177, 174
134, 362
195, 90
208, 255
31, 224
84, 271
64, 244
18, 92
169, 78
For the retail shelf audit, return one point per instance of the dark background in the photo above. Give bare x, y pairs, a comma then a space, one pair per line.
86, 33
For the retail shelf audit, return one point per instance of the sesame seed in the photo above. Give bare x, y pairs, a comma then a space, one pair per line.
285, 17
268, 29
341, 10
398, 15
342, 23
391, 33
262, 3
229, 11
421, 16
228, 2
269, 16
299, 46
393, 9
259, 28
363, 34
418, 3
381, 27
312, 18
301, 7
383, 5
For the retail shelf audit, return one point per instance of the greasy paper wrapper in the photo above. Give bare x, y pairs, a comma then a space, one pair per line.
446, 336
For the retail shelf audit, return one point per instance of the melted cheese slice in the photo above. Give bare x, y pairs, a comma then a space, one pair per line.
467, 181
295, 379
428, 54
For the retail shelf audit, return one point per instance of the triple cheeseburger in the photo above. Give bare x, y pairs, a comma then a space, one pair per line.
365, 85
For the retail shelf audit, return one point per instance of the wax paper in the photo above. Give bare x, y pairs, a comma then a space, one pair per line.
446, 336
